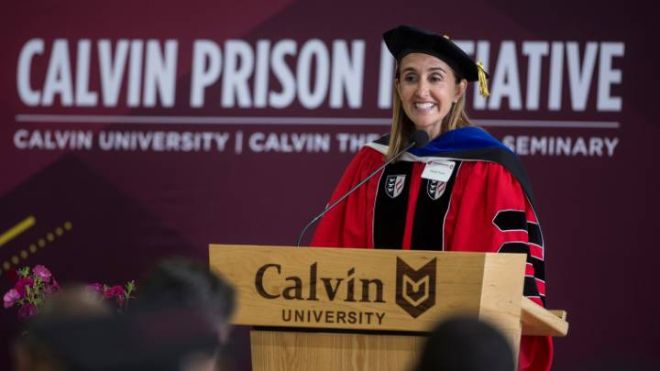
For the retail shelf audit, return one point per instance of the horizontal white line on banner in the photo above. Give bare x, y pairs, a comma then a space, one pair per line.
549, 124
212, 120
276, 120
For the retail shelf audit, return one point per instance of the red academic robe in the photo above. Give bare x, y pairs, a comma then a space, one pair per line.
482, 207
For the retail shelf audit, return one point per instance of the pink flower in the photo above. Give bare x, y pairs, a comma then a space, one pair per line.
33, 285
22, 284
11, 297
114, 291
117, 292
96, 287
51, 287
27, 310
42, 272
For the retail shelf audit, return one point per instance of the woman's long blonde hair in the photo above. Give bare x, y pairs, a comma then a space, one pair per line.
403, 127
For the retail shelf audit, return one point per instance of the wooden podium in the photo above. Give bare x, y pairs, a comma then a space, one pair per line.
357, 309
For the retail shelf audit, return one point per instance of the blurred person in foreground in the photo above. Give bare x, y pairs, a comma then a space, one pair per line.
189, 284
34, 352
466, 344
178, 322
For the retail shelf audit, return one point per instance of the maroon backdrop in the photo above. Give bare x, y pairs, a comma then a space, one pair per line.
156, 128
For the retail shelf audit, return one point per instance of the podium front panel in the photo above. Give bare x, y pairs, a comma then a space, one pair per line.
366, 289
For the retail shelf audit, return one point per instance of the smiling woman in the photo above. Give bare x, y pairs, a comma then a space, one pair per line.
430, 84
428, 89
463, 191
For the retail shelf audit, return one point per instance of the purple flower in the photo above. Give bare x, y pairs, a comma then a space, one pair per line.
11, 297
42, 272
22, 284
27, 310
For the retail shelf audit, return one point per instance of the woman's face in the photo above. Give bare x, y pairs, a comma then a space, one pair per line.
427, 87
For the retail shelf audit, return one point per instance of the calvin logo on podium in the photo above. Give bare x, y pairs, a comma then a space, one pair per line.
415, 288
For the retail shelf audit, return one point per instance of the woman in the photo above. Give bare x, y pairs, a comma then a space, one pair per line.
463, 191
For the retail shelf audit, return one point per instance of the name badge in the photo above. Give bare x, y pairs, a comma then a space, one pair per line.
439, 170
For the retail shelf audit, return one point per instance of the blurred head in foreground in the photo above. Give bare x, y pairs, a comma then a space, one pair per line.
32, 352
190, 284
466, 344
175, 324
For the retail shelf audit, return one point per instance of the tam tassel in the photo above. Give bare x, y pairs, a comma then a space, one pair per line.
483, 80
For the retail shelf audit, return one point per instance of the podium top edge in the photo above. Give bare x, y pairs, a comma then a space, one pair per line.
396, 251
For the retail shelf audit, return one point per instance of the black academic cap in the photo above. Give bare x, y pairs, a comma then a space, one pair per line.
404, 40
